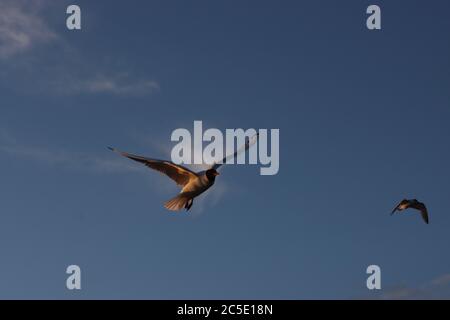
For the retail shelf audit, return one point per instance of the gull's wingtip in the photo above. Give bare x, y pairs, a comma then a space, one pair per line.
111, 148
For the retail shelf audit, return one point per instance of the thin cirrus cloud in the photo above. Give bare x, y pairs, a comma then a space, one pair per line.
72, 160
437, 288
113, 84
83, 161
23, 28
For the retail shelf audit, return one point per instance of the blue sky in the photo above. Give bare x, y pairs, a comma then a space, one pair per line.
363, 118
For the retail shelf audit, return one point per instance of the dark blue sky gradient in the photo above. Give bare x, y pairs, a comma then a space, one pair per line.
363, 118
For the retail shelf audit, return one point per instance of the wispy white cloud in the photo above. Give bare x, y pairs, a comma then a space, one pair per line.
75, 160
60, 82
403, 293
21, 27
209, 199
442, 280
108, 84
24, 26
437, 288
114, 86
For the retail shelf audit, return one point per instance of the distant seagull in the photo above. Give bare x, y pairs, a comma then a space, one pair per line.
405, 204
193, 183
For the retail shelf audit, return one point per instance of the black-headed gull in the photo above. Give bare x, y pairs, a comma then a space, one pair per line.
192, 183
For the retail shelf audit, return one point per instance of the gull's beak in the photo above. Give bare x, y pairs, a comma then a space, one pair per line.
216, 173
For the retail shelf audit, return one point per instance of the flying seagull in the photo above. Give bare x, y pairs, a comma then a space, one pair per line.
405, 204
192, 183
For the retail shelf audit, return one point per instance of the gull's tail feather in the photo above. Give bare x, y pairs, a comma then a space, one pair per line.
179, 202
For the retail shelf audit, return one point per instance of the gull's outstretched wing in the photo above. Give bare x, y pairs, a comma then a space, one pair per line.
177, 173
423, 211
251, 141
404, 201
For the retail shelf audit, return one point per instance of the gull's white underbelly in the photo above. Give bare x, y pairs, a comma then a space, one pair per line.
197, 186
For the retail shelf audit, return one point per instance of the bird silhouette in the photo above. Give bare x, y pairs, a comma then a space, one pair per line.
415, 204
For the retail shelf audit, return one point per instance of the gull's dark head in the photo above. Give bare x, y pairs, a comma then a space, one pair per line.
211, 174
